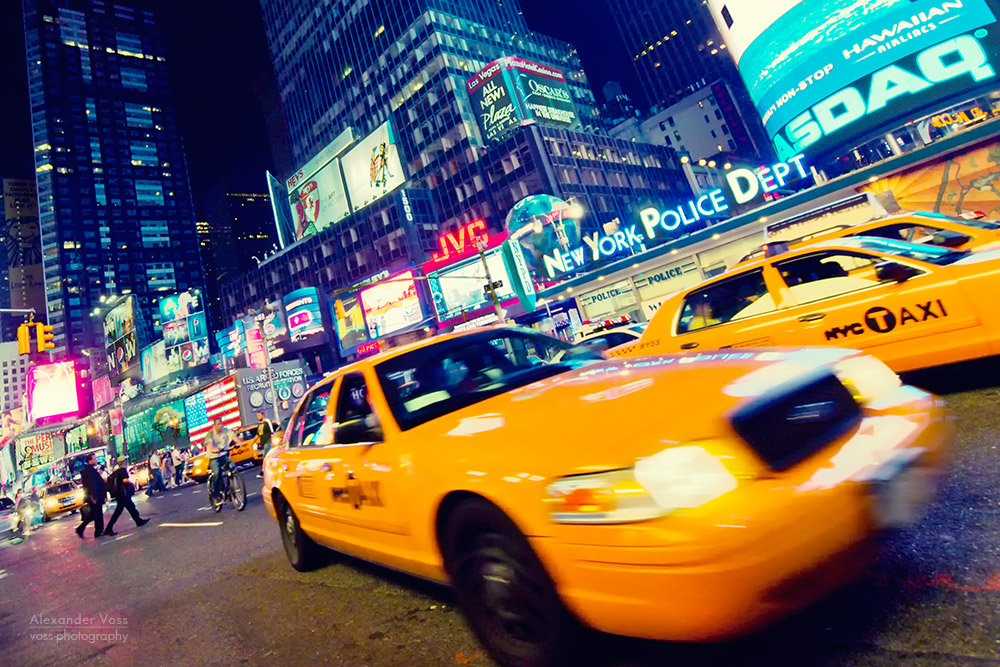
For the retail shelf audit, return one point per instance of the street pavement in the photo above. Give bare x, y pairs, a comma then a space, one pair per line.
195, 587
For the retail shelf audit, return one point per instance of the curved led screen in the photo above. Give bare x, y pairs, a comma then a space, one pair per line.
828, 74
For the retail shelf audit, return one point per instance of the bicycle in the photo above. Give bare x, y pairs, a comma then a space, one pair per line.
232, 488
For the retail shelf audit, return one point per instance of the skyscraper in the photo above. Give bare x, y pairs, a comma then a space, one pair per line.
23, 255
677, 50
114, 202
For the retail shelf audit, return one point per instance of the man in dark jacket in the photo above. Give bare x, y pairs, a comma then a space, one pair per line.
121, 490
95, 495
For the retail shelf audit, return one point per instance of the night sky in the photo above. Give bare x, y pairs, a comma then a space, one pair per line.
218, 56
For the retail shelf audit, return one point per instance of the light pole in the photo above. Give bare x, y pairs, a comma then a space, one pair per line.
480, 246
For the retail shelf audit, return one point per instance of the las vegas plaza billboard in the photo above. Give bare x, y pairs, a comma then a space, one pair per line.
830, 74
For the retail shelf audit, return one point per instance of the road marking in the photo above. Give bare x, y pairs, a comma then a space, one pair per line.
175, 494
204, 509
191, 525
122, 537
3, 573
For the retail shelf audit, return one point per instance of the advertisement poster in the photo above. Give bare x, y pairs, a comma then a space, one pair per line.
185, 330
255, 393
961, 183
822, 73
35, 450
319, 201
76, 439
163, 426
543, 93
122, 345
391, 305
101, 391
217, 400
372, 168
492, 102
349, 322
154, 363
305, 320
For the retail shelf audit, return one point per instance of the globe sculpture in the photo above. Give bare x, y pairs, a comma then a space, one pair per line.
543, 224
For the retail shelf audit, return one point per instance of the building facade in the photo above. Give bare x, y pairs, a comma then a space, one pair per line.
678, 52
13, 372
23, 255
115, 209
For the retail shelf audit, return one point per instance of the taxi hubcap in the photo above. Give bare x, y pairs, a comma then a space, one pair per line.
506, 595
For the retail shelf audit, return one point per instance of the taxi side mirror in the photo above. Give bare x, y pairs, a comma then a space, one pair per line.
895, 271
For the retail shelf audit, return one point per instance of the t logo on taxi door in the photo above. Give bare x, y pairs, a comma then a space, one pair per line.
880, 319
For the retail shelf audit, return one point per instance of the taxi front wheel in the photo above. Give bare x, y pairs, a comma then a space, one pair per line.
302, 552
503, 589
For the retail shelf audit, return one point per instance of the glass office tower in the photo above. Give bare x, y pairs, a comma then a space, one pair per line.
114, 202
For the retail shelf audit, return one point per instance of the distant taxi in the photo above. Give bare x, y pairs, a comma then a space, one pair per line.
59, 498
552, 486
912, 306
244, 451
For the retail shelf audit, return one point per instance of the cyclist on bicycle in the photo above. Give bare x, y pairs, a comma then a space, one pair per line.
217, 444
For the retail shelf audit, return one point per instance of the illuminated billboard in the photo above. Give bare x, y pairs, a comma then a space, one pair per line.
305, 319
122, 344
52, 390
101, 391
35, 450
391, 305
220, 400
510, 90
826, 74
349, 321
231, 341
461, 287
372, 168
185, 330
319, 201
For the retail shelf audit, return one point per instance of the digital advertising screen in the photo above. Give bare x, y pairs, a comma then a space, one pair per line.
231, 341
101, 390
373, 168
461, 287
391, 305
305, 319
275, 329
185, 330
122, 344
349, 321
52, 390
826, 74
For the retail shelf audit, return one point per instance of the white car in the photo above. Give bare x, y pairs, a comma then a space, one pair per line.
607, 338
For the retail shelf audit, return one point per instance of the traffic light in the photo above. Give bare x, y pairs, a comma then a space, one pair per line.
44, 334
24, 339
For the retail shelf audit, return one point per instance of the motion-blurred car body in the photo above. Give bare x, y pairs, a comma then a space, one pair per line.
61, 497
683, 497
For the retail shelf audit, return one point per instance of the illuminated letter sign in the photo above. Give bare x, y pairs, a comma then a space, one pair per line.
454, 246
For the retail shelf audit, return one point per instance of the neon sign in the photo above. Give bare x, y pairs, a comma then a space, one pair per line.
453, 246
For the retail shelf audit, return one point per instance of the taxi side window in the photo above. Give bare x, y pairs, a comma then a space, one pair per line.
356, 419
310, 422
824, 275
732, 299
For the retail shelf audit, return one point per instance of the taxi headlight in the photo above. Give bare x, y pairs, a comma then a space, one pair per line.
51, 503
672, 479
78, 495
866, 377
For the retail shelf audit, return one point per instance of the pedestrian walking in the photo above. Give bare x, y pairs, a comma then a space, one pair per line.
155, 475
95, 494
178, 458
167, 468
122, 490
265, 430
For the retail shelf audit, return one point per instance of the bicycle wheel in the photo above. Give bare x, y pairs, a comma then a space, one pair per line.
237, 491
215, 502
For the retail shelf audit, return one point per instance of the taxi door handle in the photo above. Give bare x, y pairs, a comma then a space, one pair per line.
812, 317
689, 346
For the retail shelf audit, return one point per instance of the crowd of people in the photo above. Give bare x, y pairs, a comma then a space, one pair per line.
166, 469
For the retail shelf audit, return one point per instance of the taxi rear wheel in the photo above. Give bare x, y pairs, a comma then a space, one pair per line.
503, 589
302, 552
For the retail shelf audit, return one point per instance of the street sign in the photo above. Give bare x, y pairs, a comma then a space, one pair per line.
496, 285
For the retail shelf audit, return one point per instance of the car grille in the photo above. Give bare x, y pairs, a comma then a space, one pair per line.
796, 419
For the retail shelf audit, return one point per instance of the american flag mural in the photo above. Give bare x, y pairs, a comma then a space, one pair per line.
218, 400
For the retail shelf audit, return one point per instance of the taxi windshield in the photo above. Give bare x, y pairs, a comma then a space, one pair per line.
918, 251
432, 381
60, 488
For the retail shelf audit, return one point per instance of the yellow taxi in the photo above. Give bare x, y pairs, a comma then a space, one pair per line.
243, 451
551, 486
61, 497
911, 305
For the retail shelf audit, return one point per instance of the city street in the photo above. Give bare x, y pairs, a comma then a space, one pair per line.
203, 588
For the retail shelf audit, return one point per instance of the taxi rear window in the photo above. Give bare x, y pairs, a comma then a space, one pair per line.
922, 253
